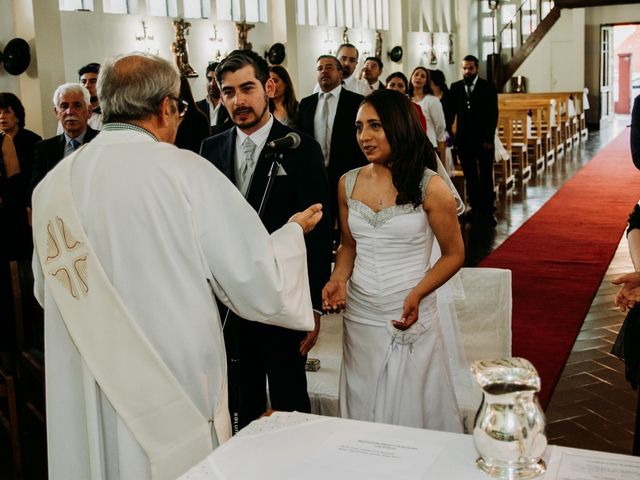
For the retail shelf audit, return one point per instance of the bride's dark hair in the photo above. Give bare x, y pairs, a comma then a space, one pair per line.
411, 150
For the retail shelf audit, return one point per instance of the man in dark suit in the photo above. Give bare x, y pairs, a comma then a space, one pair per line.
212, 106
72, 106
243, 155
475, 103
371, 72
337, 137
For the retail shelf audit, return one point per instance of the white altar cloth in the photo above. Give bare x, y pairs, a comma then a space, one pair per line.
288, 446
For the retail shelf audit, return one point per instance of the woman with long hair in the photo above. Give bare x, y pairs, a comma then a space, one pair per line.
284, 105
420, 92
18, 236
392, 212
398, 81
441, 92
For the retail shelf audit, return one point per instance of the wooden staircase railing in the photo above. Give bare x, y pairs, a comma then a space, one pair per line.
520, 55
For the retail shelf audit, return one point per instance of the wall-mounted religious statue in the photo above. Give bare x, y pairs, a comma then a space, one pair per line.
451, 60
345, 35
378, 51
179, 48
432, 51
242, 33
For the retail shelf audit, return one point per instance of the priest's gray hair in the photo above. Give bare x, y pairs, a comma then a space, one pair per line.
71, 88
132, 86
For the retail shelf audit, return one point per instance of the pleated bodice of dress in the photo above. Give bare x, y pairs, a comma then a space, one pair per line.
393, 248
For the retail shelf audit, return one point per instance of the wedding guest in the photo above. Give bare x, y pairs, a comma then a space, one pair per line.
475, 102
12, 122
441, 92
283, 103
420, 92
72, 106
628, 297
194, 127
211, 105
392, 211
10, 189
398, 81
17, 238
371, 72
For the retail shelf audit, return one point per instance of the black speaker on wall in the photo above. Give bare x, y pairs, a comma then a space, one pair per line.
16, 56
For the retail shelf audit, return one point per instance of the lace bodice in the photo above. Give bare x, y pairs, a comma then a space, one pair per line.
393, 247
376, 219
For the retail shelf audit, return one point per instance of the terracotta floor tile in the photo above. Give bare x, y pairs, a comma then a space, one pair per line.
587, 366
593, 406
584, 355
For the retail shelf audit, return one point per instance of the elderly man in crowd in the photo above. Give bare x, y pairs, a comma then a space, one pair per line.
134, 240
72, 105
88, 77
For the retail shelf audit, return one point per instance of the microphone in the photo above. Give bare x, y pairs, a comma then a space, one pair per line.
290, 140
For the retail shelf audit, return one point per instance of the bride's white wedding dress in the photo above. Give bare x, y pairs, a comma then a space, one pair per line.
389, 375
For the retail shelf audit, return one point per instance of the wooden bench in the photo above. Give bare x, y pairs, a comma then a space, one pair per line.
538, 128
570, 111
518, 150
503, 171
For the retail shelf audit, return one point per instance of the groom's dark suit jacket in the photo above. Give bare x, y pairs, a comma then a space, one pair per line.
304, 184
265, 350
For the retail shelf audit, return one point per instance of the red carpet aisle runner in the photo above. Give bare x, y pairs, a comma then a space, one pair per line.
559, 256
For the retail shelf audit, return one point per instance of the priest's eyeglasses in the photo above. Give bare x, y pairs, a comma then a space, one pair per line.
182, 106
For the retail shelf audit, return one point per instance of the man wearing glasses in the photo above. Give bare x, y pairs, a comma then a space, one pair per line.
134, 240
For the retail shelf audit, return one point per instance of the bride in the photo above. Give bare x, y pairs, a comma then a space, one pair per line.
395, 364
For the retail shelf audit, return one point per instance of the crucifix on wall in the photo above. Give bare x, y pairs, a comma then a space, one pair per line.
242, 34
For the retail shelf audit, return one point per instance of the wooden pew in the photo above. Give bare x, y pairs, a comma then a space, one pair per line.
503, 171
507, 128
570, 111
523, 133
543, 123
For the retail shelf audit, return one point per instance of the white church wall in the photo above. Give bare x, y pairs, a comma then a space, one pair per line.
557, 63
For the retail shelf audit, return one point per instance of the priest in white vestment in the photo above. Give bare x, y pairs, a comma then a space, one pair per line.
133, 238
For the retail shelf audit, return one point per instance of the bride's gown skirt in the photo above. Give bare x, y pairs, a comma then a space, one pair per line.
388, 375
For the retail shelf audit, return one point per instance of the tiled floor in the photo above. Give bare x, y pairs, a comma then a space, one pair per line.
593, 406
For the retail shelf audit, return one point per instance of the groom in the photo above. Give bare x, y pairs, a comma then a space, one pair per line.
257, 352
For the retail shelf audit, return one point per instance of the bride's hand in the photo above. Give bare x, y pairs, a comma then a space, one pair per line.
410, 312
334, 296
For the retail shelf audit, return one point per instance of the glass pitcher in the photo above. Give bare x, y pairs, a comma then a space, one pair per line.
509, 426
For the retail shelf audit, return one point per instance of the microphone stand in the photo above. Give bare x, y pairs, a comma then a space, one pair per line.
275, 158
233, 335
